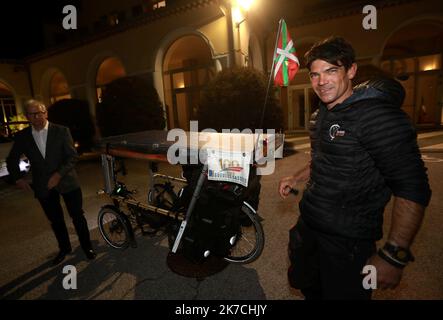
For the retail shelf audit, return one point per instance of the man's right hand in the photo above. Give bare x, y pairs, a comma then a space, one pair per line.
388, 276
285, 186
289, 183
23, 184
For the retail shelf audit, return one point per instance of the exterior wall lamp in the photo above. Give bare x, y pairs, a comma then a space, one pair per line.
239, 10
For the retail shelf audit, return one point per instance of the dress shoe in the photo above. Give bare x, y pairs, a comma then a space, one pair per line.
90, 254
60, 256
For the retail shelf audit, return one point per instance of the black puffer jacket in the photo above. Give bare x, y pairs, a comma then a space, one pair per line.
363, 151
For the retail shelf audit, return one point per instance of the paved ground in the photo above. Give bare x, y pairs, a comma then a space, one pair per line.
27, 245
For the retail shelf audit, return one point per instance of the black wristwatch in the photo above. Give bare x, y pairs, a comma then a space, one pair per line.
395, 255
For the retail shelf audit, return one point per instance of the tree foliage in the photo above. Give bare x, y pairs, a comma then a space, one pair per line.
235, 98
129, 104
369, 72
74, 114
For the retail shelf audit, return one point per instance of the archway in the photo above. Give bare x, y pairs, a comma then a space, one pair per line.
109, 70
187, 67
413, 55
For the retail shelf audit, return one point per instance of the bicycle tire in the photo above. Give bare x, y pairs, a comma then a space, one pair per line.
112, 222
251, 238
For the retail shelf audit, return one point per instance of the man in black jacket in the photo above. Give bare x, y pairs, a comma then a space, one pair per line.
50, 150
363, 150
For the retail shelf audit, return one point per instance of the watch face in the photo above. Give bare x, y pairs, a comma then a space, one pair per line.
401, 254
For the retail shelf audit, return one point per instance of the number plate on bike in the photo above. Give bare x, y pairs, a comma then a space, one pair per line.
229, 166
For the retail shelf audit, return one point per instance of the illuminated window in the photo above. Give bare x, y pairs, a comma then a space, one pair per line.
408, 65
179, 80
428, 63
100, 90
59, 88
158, 5
109, 70
113, 19
58, 98
7, 109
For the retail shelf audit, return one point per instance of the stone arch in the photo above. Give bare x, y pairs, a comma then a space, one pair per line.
54, 86
413, 53
437, 20
94, 70
159, 61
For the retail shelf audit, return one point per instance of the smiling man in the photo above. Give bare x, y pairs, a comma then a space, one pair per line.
363, 151
332, 83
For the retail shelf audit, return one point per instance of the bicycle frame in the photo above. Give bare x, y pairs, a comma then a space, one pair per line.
110, 181
194, 199
108, 168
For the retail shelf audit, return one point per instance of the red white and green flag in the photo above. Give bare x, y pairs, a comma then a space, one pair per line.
285, 59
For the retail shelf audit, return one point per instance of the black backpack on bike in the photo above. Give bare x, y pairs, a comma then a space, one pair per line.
217, 217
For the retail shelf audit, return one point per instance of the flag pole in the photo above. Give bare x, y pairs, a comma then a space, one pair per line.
269, 83
271, 75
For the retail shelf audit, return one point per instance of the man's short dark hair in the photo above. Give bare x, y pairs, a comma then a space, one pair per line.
334, 50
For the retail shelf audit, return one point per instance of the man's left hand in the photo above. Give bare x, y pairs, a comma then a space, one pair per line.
388, 276
54, 180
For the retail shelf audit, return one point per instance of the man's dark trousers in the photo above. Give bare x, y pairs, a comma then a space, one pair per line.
53, 210
328, 267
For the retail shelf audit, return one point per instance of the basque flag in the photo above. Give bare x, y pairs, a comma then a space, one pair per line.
285, 59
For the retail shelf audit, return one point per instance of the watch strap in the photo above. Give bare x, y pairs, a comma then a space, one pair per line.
382, 254
398, 253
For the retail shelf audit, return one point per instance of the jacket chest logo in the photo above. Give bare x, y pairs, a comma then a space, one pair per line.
334, 131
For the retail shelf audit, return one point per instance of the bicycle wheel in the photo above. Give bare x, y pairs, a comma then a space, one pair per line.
250, 239
114, 228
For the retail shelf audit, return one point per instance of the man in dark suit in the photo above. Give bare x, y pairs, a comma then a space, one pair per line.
50, 150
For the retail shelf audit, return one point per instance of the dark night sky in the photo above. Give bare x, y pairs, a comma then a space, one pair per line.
21, 25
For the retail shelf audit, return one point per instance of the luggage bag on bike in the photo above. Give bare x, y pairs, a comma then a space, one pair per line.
217, 218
